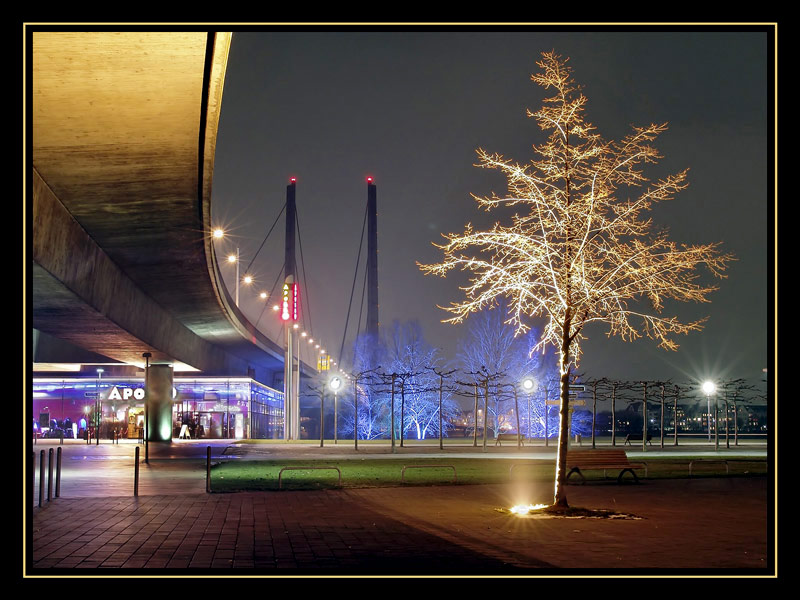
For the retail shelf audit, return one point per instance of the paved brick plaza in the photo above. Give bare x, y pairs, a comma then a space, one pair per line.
690, 525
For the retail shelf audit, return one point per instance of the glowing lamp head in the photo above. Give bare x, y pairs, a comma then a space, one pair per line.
231, 258
527, 384
335, 383
248, 279
263, 295
709, 388
218, 233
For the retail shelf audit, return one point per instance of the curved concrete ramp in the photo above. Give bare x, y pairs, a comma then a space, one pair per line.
124, 135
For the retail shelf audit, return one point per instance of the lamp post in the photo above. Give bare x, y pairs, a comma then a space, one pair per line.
516, 412
335, 383
394, 449
99, 412
234, 258
146, 357
528, 385
709, 388
355, 410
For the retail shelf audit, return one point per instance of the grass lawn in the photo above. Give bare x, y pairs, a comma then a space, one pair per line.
256, 475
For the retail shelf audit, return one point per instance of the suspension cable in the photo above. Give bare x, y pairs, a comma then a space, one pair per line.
305, 284
352, 289
265, 239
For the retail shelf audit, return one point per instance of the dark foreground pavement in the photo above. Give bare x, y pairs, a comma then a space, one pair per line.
683, 526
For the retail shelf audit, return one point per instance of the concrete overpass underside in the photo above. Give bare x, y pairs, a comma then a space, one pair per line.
124, 128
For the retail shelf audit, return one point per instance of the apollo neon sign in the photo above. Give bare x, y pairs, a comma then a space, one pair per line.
137, 393
127, 393
290, 302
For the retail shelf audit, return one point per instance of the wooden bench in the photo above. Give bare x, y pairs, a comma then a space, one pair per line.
508, 437
633, 437
582, 460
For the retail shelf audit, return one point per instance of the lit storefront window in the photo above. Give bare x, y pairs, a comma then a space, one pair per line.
211, 408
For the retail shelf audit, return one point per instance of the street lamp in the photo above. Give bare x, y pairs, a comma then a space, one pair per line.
335, 383
528, 385
709, 388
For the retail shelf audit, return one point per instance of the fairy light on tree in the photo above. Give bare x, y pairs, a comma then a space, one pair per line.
581, 249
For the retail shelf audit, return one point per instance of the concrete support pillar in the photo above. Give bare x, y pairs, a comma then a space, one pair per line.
159, 403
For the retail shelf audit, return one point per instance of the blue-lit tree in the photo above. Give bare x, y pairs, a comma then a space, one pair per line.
373, 402
492, 344
412, 359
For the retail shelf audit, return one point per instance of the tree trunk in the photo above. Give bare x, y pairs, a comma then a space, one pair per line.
560, 495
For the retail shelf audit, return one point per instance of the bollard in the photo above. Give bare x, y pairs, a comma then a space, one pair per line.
58, 472
208, 469
41, 477
49, 474
136, 474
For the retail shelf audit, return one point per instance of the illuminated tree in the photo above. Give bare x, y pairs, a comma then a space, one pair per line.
412, 359
581, 249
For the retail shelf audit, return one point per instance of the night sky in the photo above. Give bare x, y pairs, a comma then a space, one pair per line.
411, 108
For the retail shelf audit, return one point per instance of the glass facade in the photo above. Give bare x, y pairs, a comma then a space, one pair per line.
208, 407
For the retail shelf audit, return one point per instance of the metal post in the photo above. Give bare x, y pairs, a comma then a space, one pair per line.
208, 469
355, 399
58, 472
402, 410
237, 277
662, 415
146, 356
716, 424
594, 412
335, 418
644, 419
322, 418
136, 473
394, 376
485, 410
41, 477
676, 416
475, 419
49, 474
727, 428
441, 447
529, 417
546, 427
516, 410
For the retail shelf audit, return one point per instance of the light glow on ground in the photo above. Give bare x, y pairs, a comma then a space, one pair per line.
524, 509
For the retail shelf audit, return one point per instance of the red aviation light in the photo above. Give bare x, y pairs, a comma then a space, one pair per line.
369, 179
292, 179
